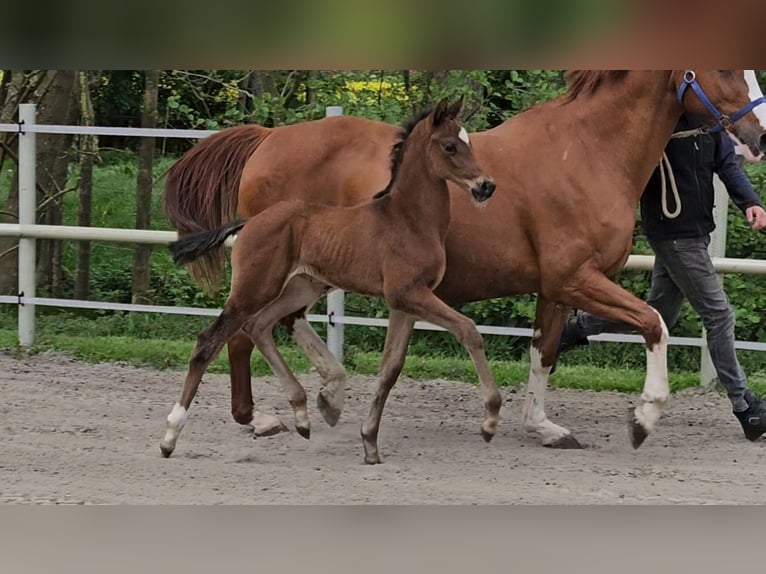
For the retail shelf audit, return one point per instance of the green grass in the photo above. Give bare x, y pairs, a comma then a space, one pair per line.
168, 353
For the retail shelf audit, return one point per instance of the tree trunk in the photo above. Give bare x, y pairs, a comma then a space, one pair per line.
88, 151
56, 106
18, 87
142, 253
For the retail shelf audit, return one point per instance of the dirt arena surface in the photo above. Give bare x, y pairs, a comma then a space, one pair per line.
78, 433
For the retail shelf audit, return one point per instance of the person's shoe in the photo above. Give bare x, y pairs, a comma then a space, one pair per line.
570, 339
753, 420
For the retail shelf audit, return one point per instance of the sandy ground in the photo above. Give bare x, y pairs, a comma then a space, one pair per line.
77, 433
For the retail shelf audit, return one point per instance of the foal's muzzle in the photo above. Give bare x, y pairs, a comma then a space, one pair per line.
482, 190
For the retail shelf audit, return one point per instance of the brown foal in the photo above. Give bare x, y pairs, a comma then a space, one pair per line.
391, 246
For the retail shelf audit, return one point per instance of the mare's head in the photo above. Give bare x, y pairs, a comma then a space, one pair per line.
449, 153
731, 99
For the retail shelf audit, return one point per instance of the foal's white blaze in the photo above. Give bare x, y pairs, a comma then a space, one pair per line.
176, 421
754, 91
656, 388
463, 135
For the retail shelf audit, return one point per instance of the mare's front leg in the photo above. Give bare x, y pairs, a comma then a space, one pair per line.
549, 324
595, 293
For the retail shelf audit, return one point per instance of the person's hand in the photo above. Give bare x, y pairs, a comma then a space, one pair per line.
756, 217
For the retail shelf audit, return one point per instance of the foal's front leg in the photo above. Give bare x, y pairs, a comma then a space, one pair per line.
549, 323
422, 302
400, 326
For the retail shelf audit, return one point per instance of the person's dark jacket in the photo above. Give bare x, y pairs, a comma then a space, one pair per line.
694, 161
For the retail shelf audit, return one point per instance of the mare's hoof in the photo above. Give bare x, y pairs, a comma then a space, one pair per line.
305, 432
566, 442
166, 452
329, 412
372, 459
271, 431
636, 430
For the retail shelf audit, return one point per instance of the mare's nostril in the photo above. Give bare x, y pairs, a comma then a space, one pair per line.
762, 143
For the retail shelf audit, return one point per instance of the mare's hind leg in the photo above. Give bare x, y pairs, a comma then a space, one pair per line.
330, 399
549, 323
400, 326
209, 344
240, 348
422, 302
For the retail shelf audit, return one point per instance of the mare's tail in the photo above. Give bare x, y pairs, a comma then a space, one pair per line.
201, 192
190, 248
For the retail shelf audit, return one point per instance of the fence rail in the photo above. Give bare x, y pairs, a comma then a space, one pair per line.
27, 231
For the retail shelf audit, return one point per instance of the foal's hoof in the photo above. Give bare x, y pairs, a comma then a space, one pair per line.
636, 430
166, 451
330, 413
566, 442
305, 432
372, 459
486, 435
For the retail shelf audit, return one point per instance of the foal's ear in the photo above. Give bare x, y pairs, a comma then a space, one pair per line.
454, 110
441, 111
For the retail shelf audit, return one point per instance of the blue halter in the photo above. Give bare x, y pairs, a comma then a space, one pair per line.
723, 121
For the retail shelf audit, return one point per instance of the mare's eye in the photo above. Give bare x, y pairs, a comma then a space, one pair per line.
449, 148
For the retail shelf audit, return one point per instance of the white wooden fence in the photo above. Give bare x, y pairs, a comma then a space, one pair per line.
27, 231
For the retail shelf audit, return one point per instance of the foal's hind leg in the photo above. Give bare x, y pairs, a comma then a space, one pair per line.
549, 323
300, 292
400, 326
422, 302
240, 348
330, 399
209, 344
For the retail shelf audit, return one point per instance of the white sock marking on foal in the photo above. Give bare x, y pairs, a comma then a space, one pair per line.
463, 135
656, 388
754, 91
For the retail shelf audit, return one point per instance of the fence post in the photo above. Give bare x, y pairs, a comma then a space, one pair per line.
335, 299
717, 248
27, 216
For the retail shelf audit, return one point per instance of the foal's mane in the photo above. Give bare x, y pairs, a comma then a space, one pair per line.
588, 81
397, 150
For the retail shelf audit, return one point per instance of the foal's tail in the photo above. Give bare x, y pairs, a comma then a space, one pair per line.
202, 188
191, 247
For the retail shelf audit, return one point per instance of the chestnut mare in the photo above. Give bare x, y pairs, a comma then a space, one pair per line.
570, 173
392, 246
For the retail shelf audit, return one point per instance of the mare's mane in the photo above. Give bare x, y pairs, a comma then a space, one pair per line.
397, 150
583, 82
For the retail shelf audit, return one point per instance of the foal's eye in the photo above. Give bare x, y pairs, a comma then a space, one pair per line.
449, 148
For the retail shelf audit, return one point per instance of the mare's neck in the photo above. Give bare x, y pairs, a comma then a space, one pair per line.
643, 110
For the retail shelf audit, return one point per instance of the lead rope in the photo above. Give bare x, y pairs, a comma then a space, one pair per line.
665, 165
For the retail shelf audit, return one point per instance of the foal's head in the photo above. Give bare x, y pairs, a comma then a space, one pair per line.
449, 154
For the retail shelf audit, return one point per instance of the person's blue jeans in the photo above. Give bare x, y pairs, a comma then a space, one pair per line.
683, 270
